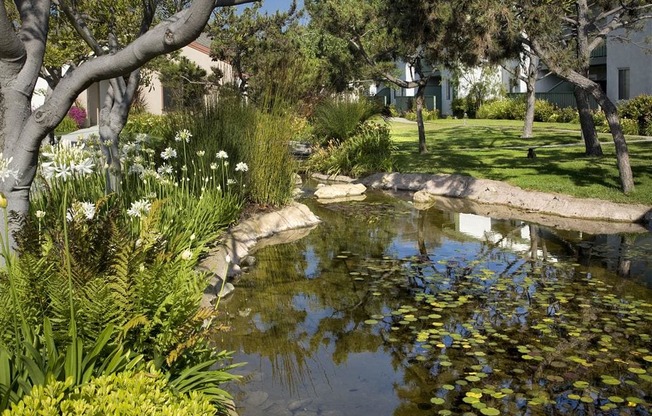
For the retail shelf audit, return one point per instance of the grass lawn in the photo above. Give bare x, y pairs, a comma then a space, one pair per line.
482, 149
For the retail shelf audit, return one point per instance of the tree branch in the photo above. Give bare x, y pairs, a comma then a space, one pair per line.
11, 48
80, 26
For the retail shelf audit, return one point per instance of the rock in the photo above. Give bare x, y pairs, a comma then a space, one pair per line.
355, 198
277, 409
248, 261
226, 290
306, 413
256, 398
332, 178
423, 197
297, 180
331, 413
340, 191
298, 404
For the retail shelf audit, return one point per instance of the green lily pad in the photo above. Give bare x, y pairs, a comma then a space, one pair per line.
490, 411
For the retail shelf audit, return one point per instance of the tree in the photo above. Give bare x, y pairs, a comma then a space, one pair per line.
363, 28
252, 43
562, 34
527, 70
23, 44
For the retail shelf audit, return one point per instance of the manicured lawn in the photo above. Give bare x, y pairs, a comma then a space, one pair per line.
484, 149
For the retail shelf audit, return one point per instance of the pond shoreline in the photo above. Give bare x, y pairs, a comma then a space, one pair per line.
486, 191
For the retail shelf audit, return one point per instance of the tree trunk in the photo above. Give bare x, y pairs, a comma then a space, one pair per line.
591, 142
581, 81
529, 109
421, 89
113, 118
530, 84
622, 154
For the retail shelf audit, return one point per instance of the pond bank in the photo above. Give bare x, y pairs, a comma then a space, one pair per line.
487, 191
235, 246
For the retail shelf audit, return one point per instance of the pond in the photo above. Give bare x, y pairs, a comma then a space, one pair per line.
384, 309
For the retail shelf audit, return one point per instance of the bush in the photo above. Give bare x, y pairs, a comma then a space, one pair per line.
503, 109
629, 126
78, 114
543, 110
368, 151
153, 125
336, 120
638, 109
126, 393
67, 125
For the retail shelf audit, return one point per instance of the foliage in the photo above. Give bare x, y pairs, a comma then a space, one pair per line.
258, 139
125, 393
78, 114
67, 125
369, 150
337, 119
514, 109
638, 109
186, 83
264, 49
151, 124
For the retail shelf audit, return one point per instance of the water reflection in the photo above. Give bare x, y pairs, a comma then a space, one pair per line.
312, 319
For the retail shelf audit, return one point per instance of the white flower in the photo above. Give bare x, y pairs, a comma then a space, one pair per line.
88, 209
222, 155
213, 166
139, 208
201, 153
137, 168
141, 137
5, 171
186, 254
40, 214
168, 153
165, 169
231, 182
85, 167
192, 237
241, 167
63, 172
183, 135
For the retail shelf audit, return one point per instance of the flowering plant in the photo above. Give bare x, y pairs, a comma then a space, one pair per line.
78, 114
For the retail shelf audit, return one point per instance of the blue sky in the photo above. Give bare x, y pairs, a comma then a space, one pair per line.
271, 6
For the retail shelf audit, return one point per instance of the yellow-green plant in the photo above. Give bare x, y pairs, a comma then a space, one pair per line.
125, 393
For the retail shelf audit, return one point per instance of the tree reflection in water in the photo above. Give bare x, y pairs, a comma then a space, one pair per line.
304, 316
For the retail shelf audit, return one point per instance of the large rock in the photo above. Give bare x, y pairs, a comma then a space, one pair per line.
341, 190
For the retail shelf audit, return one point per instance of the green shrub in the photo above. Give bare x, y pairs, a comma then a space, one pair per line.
567, 115
503, 109
150, 124
67, 125
337, 119
638, 109
629, 126
430, 115
410, 115
368, 151
543, 110
126, 393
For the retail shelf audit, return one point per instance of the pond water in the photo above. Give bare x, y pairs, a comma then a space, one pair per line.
384, 309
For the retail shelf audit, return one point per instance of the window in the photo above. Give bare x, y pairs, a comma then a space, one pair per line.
623, 84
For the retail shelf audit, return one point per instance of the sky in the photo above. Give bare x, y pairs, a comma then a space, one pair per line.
272, 6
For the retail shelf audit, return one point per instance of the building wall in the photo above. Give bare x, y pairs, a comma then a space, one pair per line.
632, 55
